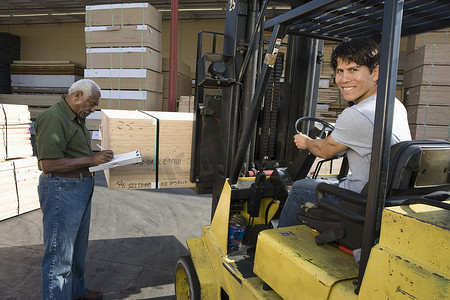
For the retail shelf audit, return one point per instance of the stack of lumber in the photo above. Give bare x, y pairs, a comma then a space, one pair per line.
329, 101
123, 55
427, 85
36, 103
186, 104
18, 168
184, 82
19, 179
14, 131
27, 180
9, 205
164, 140
44, 77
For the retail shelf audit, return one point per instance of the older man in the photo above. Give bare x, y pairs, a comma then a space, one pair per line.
65, 190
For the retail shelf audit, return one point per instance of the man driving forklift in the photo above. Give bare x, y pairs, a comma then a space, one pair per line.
356, 66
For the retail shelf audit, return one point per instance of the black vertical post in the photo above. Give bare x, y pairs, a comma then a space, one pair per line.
379, 166
253, 111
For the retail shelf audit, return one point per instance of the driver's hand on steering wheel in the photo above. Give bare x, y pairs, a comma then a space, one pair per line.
300, 141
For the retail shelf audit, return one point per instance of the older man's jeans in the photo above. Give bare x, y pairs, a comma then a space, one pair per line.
66, 207
302, 191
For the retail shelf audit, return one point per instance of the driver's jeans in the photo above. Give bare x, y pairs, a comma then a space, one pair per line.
302, 191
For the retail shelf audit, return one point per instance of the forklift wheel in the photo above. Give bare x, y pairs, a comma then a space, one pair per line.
187, 285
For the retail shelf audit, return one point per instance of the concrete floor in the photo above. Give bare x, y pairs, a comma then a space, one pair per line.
135, 239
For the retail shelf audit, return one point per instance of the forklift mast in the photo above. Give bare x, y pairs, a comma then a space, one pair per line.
244, 115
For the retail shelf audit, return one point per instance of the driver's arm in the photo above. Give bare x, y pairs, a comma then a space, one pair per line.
323, 148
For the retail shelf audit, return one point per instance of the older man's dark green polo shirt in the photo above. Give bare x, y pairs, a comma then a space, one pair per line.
60, 134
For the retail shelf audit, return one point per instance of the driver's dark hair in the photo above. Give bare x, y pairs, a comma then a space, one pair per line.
363, 51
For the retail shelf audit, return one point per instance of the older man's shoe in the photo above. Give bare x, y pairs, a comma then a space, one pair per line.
92, 295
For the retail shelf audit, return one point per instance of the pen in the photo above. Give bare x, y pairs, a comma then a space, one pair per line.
101, 148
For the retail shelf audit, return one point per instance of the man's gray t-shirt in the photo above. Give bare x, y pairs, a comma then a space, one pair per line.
354, 129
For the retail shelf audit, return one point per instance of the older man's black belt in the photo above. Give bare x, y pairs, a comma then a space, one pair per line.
69, 175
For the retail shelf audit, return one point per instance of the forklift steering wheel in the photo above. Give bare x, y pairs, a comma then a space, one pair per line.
326, 125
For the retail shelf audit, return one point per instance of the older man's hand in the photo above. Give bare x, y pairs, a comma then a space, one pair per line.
103, 157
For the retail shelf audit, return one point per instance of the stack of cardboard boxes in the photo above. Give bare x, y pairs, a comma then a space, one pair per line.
123, 55
427, 85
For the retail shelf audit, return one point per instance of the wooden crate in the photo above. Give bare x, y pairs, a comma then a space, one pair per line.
425, 94
163, 135
429, 114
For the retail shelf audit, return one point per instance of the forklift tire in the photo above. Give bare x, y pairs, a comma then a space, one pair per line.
187, 285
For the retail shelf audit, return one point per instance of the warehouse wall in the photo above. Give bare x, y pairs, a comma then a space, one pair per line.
50, 41
187, 38
66, 41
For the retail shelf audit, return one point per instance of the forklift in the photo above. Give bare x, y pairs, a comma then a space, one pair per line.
391, 242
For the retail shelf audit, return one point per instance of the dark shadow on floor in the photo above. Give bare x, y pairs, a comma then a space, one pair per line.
120, 268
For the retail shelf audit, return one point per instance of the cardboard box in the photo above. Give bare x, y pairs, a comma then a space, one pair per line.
432, 37
123, 36
425, 94
429, 132
127, 57
126, 79
123, 14
427, 74
159, 136
428, 55
429, 114
140, 100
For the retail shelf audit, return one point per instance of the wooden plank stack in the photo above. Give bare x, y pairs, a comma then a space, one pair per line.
36, 103
44, 77
14, 132
164, 140
329, 101
184, 81
18, 168
186, 104
123, 55
427, 85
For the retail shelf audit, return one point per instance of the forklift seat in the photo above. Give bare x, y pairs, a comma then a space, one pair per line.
419, 172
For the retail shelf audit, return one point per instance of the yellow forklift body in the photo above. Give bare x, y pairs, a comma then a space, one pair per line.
412, 258
291, 263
